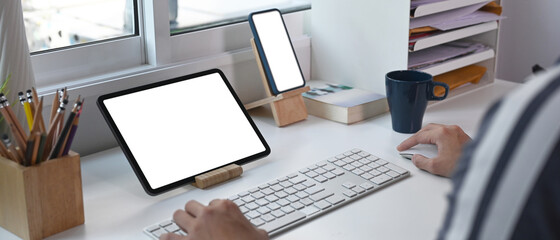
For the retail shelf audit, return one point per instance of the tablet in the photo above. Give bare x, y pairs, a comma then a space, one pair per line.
174, 130
276, 52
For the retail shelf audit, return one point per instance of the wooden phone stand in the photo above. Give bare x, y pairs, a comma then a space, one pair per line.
287, 107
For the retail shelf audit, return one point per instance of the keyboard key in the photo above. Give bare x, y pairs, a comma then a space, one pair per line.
248, 199
267, 191
238, 202
310, 210
393, 174
313, 167
373, 165
381, 179
313, 190
356, 150
257, 195
277, 213
261, 202
268, 217
356, 164
349, 153
311, 174
276, 187
349, 167
300, 187
273, 206
233, 198
340, 163
290, 190
263, 210
331, 160
334, 200
320, 179
293, 175
286, 184
357, 171
363, 154
302, 194
282, 179
356, 157
304, 170
287, 209
358, 190
297, 180
320, 196
348, 160
292, 198
298, 205
364, 161
253, 214
252, 206
382, 169
329, 175
322, 204
366, 168
152, 228
381, 161
271, 198
367, 176
306, 201
254, 190
367, 185
341, 156
338, 172
348, 185
322, 163
320, 170
372, 158
159, 232
243, 194
281, 194
396, 168
283, 221
263, 186
166, 223
172, 228
283, 202
349, 193
244, 209
329, 167
273, 182
257, 222
375, 172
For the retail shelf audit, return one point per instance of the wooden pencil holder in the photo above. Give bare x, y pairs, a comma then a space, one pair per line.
42, 200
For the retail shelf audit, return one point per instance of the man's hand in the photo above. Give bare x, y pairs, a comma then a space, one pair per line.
449, 141
221, 219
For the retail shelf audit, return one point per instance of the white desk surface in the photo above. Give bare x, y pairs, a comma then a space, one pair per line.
116, 206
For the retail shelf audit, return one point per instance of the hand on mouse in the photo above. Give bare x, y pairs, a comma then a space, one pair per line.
449, 141
221, 219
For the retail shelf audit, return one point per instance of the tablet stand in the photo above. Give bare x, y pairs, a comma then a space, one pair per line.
287, 107
220, 175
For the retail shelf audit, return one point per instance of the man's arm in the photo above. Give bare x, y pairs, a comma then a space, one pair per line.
221, 219
449, 141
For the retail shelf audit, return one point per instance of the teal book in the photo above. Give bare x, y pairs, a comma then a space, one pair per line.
342, 103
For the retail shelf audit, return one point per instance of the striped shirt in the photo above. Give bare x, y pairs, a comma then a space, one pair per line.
507, 183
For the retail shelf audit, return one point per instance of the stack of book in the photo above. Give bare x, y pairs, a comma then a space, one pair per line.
342, 103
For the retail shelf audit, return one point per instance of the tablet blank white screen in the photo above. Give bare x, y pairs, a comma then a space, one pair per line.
182, 129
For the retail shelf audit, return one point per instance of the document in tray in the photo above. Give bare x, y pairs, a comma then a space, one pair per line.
442, 53
467, 20
446, 16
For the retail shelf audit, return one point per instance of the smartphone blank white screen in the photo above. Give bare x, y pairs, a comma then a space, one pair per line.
278, 50
182, 129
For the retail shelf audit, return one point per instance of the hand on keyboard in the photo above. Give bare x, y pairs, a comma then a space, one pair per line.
221, 219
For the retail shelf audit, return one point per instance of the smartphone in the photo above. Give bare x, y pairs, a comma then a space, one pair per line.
276, 52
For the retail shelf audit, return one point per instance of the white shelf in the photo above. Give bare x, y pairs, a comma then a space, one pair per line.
459, 63
454, 35
442, 6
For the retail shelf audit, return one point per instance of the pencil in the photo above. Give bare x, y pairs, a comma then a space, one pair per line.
38, 123
54, 107
27, 108
29, 152
35, 96
36, 147
4, 151
10, 149
31, 101
62, 138
15, 127
51, 137
41, 149
73, 131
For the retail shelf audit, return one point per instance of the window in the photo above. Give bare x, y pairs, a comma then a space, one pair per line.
192, 15
62, 23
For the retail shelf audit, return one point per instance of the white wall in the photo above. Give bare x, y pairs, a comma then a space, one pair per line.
530, 35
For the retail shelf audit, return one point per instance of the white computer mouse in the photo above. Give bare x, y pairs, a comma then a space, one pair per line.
428, 150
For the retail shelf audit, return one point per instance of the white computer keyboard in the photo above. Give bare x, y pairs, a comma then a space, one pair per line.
303, 195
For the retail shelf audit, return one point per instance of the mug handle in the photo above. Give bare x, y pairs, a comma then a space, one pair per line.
433, 85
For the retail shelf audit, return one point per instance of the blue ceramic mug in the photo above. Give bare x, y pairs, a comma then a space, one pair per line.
408, 93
